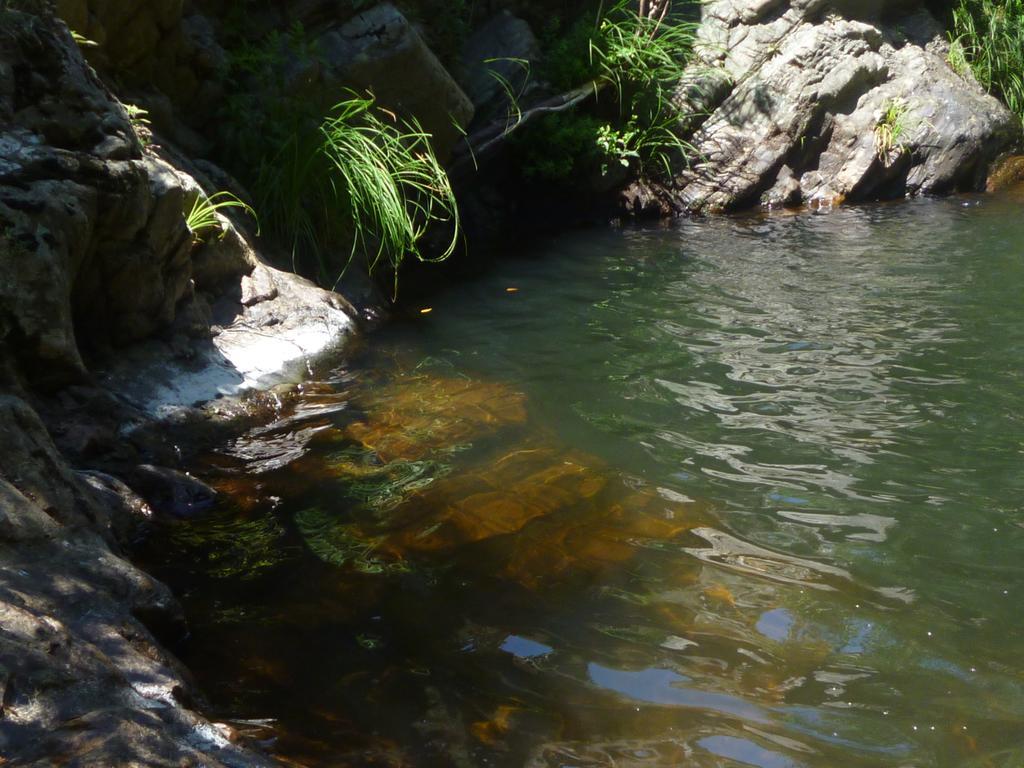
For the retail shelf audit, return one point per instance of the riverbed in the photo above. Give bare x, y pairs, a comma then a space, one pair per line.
734, 491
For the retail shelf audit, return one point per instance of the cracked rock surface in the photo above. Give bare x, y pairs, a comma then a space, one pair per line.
789, 97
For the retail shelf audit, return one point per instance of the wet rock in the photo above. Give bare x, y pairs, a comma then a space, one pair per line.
381, 51
807, 93
84, 682
169, 491
1007, 174
287, 325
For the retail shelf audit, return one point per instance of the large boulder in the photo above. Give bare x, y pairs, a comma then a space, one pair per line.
94, 247
95, 253
83, 681
380, 51
823, 103
496, 64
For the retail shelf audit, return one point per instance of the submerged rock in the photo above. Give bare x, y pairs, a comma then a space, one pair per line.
434, 465
416, 415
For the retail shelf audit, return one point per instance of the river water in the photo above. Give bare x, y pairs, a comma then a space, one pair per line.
731, 492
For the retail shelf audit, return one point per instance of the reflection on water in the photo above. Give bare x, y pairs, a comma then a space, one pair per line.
739, 492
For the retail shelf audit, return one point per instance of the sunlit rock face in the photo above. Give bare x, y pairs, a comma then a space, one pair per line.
814, 102
97, 255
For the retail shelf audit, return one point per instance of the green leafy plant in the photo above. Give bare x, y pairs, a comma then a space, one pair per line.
642, 58
988, 36
639, 59
334, 183
82, 41
560, 147
362, 175
204, 214
890, 130
139, 119
637, 53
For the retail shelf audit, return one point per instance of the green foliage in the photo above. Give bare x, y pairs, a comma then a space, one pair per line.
204, 213
639, 55
988, 35
82, 41
567, 62
361, 175
357, 179
890, 129
139, 119
560, 147
639, 61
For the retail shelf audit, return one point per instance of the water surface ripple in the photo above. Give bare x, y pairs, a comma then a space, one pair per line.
733, 492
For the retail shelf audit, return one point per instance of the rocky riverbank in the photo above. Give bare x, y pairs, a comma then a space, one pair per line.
99, 266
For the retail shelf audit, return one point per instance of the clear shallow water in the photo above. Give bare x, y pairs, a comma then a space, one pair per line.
736, 492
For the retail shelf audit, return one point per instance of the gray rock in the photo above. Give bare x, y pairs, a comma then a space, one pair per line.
379, 50
500, 54
169, 491
95, 251
807, 91
94, 248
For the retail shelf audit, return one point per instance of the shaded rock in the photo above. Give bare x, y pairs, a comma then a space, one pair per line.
20, 519
32, 465
84, 682
1006, 174
498, 55
379, 50
170, 491
807, 94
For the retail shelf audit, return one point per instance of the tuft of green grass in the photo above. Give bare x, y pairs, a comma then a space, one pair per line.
988, 36
331, 184
82, 41
891, 129
363, 176
204, 213
640, 61
395, 185
638, 54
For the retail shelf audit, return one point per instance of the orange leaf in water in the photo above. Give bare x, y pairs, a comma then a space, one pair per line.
721, 594
489, 731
